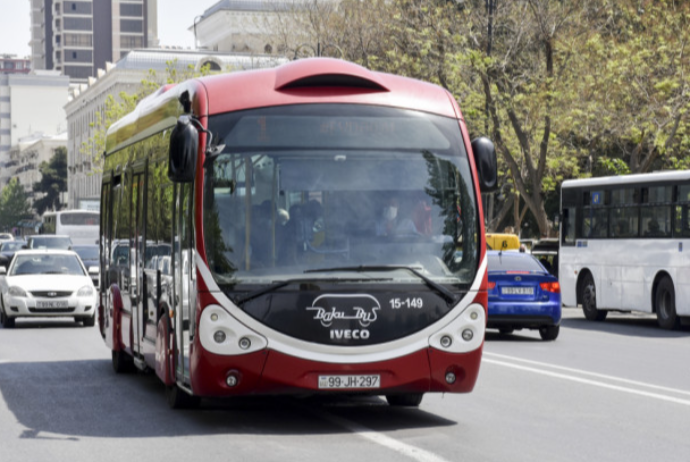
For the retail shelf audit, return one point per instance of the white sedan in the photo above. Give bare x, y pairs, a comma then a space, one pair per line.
46, 283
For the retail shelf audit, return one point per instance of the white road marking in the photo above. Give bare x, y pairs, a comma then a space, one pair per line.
592, 374
595, 383
404, 449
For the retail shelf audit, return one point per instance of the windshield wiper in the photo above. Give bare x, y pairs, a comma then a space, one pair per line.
279, 284
447, 294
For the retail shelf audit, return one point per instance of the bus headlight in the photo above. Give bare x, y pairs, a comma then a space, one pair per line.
219, 336
467, 335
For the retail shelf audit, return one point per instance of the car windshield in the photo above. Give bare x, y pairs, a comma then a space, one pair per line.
303, 188
25, 265
87, 252
513, 261
50, 243
12, 245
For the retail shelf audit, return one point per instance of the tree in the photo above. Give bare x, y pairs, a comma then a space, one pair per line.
53, 181
14, 205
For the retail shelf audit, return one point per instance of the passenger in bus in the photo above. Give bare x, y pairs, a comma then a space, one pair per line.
389, 218
653, 228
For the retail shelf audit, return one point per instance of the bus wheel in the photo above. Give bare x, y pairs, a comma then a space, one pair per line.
122, 362
588, 297
665, 304
549, 332
407, 399
180, 399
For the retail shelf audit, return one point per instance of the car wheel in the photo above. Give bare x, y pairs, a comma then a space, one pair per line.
89, 321
5, 320
588, 298
549, 332
180, 399
665, 305
406, 399
122, 362
506, 330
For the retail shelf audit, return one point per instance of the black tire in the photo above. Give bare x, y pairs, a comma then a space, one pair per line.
506, 330
6, 321
549, 332
407, 399
89, 321
180, 399
665, 305
588, 298
122, 362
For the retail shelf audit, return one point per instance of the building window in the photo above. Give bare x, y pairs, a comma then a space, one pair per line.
78, 23
131, 25
131, 10
129, 41
78, 40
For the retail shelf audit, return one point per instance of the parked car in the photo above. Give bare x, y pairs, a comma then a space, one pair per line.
546, 251
48, 241
89, 255
7, 251
522, 295
46, 283
4, 237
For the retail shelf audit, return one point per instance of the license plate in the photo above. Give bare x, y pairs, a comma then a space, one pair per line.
349, 381
517, 290
52, 304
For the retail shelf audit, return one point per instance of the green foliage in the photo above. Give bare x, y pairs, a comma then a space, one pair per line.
14, 205
53, 182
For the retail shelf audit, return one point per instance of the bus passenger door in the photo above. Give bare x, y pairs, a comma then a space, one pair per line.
136, 261
182, 273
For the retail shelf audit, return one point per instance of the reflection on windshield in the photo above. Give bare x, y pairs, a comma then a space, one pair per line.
272, 212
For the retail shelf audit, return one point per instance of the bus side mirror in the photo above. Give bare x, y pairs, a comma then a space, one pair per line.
184, 143
485, 158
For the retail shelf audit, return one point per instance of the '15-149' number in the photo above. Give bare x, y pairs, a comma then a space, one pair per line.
397, 303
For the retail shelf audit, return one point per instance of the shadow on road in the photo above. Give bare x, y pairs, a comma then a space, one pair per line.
72, 399
630, 324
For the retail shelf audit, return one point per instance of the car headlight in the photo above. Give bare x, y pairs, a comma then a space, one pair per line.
85, 291
17, 291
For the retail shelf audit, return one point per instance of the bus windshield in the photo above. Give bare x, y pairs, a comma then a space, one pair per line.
297, 189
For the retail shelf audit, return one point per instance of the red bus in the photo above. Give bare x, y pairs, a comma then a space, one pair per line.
311, 228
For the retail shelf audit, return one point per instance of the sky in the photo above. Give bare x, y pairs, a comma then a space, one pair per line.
174, 18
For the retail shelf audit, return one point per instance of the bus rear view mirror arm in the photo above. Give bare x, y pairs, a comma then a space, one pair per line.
485, 158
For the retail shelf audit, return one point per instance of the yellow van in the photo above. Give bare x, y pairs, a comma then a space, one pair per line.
503, 241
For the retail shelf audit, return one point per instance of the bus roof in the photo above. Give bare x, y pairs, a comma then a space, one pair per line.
304, 81
637, 178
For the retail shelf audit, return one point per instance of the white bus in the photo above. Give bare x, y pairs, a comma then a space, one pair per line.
625, 245
82, 226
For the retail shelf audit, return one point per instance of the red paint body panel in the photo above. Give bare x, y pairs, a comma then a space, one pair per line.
258, 90
271, 372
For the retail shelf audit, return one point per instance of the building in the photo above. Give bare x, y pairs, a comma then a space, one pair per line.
86, 101
78, 37
10, 64
245, 26
29, 104
27, 155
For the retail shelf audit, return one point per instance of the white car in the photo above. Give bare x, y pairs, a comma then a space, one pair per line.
47, 283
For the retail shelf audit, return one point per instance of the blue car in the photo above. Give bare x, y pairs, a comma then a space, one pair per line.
522, 295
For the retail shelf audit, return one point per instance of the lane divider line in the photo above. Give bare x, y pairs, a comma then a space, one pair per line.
592, 374
412, 452
595, 383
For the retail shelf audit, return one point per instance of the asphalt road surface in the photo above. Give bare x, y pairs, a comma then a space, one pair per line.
612, 391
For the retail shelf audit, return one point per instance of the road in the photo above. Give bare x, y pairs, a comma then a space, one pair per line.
612, 391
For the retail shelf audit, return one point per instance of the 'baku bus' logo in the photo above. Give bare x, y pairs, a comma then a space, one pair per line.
332, 307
